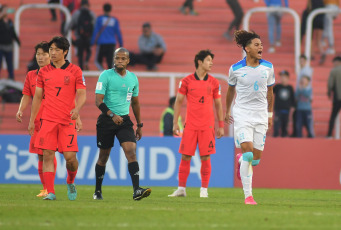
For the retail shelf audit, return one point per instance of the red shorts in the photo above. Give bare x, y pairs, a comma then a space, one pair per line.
204, 138
32, 148
55, 136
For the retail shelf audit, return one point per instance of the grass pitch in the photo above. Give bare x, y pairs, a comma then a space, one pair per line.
224, 209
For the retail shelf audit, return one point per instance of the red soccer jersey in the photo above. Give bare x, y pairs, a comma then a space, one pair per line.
200, 95
30, 89
60, 85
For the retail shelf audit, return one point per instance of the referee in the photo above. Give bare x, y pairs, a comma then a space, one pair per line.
115, 90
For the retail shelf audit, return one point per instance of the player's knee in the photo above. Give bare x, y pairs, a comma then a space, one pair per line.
248, 156
255, 162
130, 155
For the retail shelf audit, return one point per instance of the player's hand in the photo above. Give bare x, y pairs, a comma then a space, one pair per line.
31, 128
74, 114
228, 119
138, 134
176, 129
269, 123
220, 133
19, 116
118, 120
79, 124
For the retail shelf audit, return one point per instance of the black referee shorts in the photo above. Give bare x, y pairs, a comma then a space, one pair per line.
107, 130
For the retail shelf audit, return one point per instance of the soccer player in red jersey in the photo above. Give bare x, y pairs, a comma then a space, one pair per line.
59, 82
43, 59
201, 90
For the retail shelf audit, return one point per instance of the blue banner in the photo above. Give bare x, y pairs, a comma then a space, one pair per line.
158, 159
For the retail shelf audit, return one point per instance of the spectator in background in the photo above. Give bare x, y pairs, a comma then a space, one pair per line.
7, 36
166, 121
238, 16
334, 92
274, 23
317, 26
83, 22
187, 7
328, 32
106, 33
152, 48
53, 11
72, 6
304, 115
284, 101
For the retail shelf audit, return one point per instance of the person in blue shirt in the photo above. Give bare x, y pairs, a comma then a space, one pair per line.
106, 34
304, 115
274, 23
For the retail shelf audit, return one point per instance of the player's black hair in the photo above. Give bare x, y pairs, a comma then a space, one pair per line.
107, 7
171, 101
121, 50
243, 38
337, 58
303, 56
61, 43
42, 45
201, 55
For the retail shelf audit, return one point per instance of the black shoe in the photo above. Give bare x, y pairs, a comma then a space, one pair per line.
141, 193
98, 195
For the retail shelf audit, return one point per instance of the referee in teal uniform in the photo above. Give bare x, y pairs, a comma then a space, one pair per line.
116, 89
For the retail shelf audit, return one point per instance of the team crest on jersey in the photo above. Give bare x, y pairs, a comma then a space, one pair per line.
66, 80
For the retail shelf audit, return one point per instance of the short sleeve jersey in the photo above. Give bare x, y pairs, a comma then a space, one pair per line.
30, 89
252, 87
117, 90
200, 95
60, 85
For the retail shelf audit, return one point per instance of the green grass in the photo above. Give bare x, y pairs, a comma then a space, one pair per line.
224, 209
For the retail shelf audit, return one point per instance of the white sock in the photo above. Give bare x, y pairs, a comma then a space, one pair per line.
246, 176
181, 188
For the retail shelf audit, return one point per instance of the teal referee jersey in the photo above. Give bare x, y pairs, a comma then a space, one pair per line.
117, 90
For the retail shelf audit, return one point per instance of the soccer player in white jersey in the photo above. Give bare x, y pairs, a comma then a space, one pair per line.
253, 79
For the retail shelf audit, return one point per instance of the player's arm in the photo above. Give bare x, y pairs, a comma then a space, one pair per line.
135, 105
22, 106
269, 97
220, 115
38, 96
177, 107
231, 91
81, 98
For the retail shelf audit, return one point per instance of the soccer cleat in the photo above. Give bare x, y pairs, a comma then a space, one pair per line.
71, 191
250, 200
203, 193
178, 193
141, 193
239, 155
98, 195
50, 196
42, 193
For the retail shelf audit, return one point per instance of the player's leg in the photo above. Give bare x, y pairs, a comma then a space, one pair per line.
246, 171
72, 167
49, 173
100, 171
187, 148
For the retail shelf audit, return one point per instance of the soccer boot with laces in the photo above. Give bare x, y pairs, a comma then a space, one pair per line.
178, 193
141, 193
42, 193
98, 195
250, 200
50, 196
203, 193
71, 191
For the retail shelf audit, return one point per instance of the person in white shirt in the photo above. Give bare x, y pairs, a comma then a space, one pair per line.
252, 79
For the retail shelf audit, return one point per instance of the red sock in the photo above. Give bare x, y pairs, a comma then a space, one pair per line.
49, 181
184, 168
205, 173
71, 175
55, 165
40, 172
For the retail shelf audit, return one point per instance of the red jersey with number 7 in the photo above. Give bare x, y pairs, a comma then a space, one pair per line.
200, 95
60, 85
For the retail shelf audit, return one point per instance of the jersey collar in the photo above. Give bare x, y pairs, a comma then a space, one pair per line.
197, 78
67, 63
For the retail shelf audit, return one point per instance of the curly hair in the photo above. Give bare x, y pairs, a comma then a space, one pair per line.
244, 38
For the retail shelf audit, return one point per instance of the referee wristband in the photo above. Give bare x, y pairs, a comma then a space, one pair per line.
104, 108
221, 124
270, 114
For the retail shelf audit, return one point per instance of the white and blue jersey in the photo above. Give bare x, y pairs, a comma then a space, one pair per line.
252, 84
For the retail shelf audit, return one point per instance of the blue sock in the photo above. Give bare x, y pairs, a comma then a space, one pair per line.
255, 162
248, 156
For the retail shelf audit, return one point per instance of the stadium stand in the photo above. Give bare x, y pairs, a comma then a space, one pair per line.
184, 36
